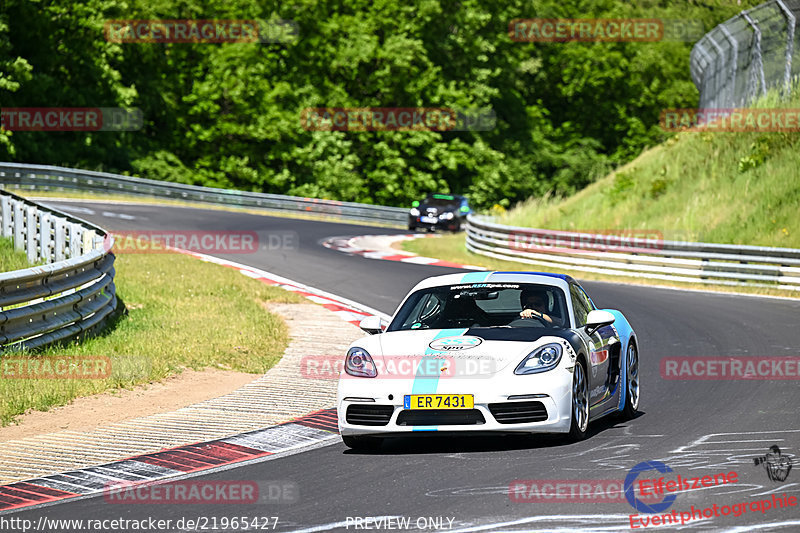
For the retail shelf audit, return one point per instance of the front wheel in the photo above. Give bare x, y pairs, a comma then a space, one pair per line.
580, 403
362, 443
632, 383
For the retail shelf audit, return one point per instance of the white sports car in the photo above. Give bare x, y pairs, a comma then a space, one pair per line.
489, 352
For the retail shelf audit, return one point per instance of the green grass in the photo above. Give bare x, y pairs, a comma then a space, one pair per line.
737, 188
183, 313
11, 259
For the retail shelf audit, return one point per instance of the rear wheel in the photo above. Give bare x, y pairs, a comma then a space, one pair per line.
362, 443
580, 403
632, 383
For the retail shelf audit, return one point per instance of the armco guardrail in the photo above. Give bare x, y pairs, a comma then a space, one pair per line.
722, 264
48, 177
742, 58
70, 295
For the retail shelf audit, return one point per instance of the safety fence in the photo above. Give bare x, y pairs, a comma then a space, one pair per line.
653, 258
58, 178
744, 57
71, 292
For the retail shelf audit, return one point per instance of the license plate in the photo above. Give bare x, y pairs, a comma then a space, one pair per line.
428, 220
439, 401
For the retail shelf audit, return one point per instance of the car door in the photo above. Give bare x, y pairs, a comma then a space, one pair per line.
602, 372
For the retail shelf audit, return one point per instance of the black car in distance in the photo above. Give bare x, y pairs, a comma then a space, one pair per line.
439, 211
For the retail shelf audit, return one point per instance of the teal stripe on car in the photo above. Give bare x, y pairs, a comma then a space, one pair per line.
475, 277
426, 383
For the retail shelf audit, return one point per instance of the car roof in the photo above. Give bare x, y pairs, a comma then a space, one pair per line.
445, 197
543, 278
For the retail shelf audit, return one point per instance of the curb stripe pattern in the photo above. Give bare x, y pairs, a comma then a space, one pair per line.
345, 310
300, 432
303, 431
347, 245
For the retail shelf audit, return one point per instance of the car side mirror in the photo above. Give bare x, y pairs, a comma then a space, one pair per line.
372, 325
597, 319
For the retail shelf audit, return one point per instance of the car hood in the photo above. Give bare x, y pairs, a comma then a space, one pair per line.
466, 351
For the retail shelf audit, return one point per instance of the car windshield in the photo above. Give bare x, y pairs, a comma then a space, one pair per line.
440, 202
483, 305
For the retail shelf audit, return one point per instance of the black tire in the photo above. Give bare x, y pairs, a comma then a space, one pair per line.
362, 443
579, 409
457, 227
412, 227
632, 395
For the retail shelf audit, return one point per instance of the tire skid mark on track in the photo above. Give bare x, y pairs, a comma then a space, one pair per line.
300, 432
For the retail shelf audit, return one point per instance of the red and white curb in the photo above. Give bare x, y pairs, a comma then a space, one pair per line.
355, 246
346, 309
307, 430
302, 432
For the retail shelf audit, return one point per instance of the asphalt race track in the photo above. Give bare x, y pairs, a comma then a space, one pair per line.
695, 427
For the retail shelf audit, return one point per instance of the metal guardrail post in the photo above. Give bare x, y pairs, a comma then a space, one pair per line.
31, 228
757, 73
791, 21
46, 225
60, 239
19, 227
5, 205
734, 66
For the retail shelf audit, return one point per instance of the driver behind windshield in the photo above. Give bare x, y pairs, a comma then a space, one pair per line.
534, 305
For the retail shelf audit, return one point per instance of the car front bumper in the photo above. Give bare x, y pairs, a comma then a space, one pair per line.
451, 224
493, 395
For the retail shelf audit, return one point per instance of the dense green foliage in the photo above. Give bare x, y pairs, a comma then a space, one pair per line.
227, 115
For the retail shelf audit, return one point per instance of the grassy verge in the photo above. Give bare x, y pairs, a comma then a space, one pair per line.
11, 259
183, 313
738, 188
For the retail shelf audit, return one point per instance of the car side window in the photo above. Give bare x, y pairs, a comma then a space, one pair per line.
580, 304
585, 297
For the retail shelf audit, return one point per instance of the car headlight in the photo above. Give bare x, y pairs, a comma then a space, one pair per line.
414, 212
541, 359
360, 364
446, 216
